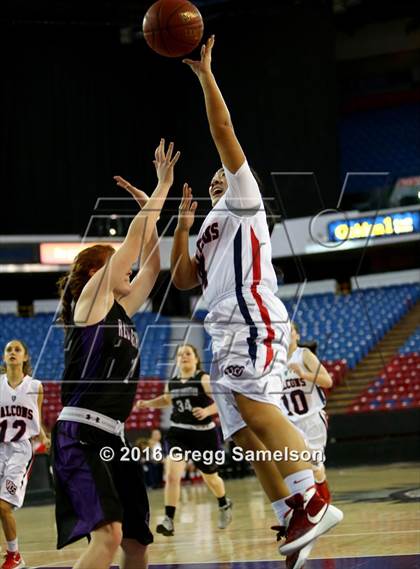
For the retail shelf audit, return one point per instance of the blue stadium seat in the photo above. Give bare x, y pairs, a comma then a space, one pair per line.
46, 343
347, 327
380, 140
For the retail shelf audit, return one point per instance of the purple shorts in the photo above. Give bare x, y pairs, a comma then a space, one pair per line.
90, 492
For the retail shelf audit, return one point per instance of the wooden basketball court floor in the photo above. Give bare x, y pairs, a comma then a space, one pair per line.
381, 527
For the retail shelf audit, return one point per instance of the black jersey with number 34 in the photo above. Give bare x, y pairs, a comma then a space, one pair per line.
187, 394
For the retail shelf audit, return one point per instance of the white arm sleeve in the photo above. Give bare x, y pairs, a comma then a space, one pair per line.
243, 195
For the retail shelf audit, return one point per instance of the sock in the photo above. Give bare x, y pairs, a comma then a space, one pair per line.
222, 501
280, 509
12, 545
170, 511
323, 490
299, 482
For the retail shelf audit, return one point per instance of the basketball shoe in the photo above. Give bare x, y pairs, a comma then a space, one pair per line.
225, 515
166, 527
295, 560
311, 517
13, 560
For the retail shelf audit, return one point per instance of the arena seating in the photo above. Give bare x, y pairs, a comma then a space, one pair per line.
347, 327
140, 419
45, 342
398, 384
365, 145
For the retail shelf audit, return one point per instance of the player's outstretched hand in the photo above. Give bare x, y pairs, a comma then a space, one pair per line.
203, 66
187, 208
164, 163
141, 404
140, 196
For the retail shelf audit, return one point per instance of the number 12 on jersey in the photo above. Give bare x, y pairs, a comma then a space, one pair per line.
18, 424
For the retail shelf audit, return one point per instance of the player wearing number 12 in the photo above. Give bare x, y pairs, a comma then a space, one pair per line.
20, 421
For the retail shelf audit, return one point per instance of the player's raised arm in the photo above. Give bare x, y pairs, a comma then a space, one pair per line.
143, 225
183, 267
149, 268
221, 128
244, 193
97, 295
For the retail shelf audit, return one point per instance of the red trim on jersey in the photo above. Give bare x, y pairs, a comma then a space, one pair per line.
256, 279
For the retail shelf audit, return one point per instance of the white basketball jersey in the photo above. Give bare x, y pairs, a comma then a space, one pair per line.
300, 398
19, 415
233, 251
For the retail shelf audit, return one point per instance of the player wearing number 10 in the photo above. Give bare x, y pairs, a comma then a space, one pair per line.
304, 401
20, 421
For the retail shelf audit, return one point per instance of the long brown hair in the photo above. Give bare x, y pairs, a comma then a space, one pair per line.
27, 366
194, 349
310, 344
71, 285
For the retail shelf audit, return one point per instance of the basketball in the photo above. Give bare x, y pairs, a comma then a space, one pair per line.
173, 27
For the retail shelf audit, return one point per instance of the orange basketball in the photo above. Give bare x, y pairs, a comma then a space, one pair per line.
173, 27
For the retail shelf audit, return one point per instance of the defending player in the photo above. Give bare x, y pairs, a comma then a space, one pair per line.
304, 402
97, 493
247, 322
192, 429
20, 421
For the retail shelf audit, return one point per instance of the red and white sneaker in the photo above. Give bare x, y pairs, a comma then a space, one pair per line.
13, 560
311, 517
298, 558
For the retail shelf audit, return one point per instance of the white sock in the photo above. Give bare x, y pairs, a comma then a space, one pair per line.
12, 545
300, 481
280, 509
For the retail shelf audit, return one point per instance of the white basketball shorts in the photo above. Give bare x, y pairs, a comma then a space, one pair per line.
15, 462
314, 429
249, 344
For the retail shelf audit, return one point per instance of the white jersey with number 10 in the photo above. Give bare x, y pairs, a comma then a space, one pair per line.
300, 398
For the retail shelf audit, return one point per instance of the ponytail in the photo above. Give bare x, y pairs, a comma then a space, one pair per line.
71, 285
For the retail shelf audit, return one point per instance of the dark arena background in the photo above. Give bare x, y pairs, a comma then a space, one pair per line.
325, 100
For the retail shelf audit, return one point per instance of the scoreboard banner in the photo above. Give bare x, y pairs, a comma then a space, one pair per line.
384, 225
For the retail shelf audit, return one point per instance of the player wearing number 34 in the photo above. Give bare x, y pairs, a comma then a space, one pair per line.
20, 422
192, 430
